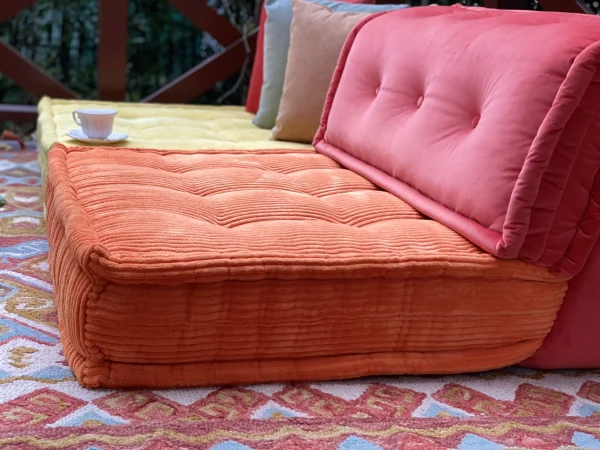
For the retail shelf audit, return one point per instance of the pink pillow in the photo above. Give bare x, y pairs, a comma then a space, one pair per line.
486, 120
256, 78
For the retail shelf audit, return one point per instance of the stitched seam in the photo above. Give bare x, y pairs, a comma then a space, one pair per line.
586, 212
93, 368
93, 248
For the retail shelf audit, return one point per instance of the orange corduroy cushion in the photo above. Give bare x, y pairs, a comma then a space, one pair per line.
178, 269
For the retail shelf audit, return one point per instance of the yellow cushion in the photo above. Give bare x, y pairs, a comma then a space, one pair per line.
160, 126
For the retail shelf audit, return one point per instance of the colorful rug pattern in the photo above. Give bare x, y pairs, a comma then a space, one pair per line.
42, 406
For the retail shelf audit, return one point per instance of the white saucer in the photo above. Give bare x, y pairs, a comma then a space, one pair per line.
112, 139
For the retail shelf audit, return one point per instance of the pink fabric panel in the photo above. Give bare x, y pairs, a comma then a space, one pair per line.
570, 199
555, 196
574, 341
476, 233
495, 139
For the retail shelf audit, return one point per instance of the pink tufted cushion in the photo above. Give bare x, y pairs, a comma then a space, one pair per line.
486, 120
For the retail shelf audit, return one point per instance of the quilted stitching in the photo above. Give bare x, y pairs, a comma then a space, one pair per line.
266, 207
174, 269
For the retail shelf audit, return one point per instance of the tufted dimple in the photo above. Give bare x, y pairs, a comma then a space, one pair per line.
537, 143
377, 90
254, 205
202, 262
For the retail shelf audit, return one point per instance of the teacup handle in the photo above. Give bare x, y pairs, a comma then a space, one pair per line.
76, 118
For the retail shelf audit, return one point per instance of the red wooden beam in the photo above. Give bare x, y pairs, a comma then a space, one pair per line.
29, 76
205, 75
207, 19
112, 50
10, 8
18, 113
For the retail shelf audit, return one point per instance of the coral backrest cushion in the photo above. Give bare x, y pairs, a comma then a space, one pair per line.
486, 120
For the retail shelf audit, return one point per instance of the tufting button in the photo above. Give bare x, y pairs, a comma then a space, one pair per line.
420, 101
475, 120
377, 90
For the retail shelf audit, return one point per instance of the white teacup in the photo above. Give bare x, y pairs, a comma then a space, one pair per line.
95, 123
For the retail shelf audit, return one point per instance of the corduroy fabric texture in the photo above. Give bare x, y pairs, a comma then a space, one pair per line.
156, 126
178, 268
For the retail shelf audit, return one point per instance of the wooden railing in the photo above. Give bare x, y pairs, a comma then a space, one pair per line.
112, 58
112, 54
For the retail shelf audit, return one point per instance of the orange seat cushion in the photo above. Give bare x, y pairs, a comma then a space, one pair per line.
179, 269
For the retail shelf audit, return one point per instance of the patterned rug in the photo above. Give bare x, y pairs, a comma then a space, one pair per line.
42, 406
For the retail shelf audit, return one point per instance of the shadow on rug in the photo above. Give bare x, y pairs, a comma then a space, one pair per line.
42, 406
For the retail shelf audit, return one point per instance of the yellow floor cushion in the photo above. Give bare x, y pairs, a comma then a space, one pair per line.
160, 126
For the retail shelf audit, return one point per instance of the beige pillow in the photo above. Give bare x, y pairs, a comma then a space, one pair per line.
317, 37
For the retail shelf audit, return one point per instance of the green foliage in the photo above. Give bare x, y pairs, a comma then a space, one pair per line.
62, 37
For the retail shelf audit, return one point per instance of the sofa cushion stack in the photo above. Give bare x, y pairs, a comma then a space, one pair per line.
233, 265
498, 140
